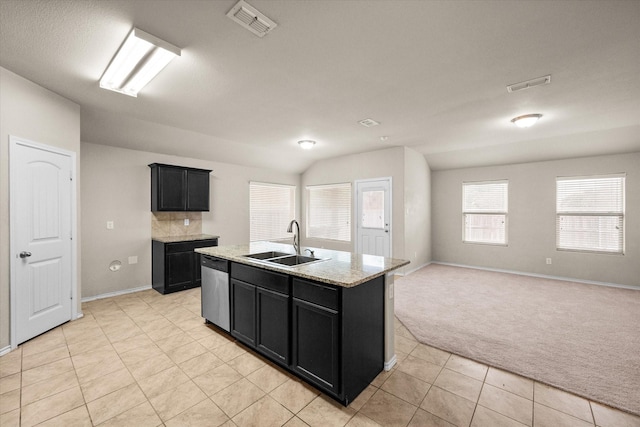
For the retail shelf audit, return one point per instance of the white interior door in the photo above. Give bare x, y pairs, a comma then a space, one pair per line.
41, 258
373, 229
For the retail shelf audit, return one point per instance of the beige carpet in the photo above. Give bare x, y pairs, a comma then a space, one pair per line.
581, 338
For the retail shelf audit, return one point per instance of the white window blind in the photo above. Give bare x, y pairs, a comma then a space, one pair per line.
590, 213
329, 212
484, 212
271, 208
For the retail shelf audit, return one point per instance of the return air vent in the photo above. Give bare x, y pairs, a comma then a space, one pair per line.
254, 21
368, 123
538, 81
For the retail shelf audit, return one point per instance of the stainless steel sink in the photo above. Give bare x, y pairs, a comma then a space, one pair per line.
294, 260
283, 259
267, 255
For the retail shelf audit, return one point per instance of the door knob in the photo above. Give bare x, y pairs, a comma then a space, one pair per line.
25, 254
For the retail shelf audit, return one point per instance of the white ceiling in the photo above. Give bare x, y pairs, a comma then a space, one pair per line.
434, 73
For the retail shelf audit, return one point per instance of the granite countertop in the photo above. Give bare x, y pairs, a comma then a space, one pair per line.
339, 268
185, 238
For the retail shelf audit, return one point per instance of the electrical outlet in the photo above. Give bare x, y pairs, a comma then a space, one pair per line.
109, 225
186, 221
133, 259
548, 261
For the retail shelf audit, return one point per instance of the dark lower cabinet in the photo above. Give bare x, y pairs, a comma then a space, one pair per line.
175, 266
272, 338
330, 336
316, 344
260, 311
243, 312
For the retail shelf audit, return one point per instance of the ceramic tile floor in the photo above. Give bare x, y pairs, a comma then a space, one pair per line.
145, 359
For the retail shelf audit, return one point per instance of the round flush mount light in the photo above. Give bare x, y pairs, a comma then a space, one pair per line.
306, 144
526, 121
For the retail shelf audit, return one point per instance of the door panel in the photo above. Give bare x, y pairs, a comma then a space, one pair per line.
373, 228
41, 231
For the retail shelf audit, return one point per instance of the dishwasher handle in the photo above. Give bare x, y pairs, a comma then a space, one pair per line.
215, 263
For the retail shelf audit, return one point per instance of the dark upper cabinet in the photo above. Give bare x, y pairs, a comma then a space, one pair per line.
176, 188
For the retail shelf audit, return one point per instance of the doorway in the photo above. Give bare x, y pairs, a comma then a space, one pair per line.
42, 225
373, 217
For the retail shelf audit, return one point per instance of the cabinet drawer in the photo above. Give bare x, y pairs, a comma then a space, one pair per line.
265, 279
316, 293
190, 246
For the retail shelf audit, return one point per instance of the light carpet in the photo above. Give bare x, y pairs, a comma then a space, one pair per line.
584, 339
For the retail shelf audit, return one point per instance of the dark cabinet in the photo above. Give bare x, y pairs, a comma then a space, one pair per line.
272, 315
175, 265
243, 312
330, 336
316, 344
175, 188
260, 313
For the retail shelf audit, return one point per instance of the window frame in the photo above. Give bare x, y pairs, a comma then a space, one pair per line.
468, 212
279, 231
309, 228
593, 213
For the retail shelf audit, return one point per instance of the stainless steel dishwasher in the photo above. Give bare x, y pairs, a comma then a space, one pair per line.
215, 291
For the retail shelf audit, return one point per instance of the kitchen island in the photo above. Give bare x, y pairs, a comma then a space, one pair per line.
329, 321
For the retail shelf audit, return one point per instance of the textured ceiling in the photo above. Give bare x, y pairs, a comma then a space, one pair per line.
434, 73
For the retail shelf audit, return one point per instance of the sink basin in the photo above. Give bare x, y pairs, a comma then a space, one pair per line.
267, 255
294, 260
283, 259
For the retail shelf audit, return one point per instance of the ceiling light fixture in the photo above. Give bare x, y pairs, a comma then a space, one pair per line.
306, 144
140, 58
526, 121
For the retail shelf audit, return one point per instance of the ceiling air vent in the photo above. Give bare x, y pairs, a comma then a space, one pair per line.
254, 21
538, 81
368, 123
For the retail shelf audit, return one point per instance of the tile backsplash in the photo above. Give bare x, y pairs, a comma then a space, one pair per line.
165, 224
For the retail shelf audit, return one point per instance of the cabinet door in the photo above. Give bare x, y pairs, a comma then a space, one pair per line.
197, 190
273, 324
171, 189
243, 312
315, 349
179, 270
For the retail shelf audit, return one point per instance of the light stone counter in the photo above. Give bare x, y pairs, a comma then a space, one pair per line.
184, 238
339, 268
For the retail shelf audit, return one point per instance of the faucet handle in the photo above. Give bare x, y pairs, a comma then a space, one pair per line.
310, 252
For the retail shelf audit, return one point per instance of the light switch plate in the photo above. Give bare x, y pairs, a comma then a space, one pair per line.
186, 221
109, 225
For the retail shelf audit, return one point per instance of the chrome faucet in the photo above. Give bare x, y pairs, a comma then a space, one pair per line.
296, 235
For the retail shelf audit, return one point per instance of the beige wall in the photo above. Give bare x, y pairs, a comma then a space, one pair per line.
374, 164
417, 209
411, 214
34, 113
531, 226
116, 187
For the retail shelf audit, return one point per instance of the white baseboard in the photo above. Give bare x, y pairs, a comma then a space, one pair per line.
390, 364
413, 270
5, 350
115, 294
542, 276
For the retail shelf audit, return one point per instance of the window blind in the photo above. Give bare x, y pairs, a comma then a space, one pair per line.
329, 212
484, 211
590, 213
271, 208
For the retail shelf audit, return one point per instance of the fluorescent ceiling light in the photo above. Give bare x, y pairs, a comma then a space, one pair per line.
306, 144
526, 121
140, 58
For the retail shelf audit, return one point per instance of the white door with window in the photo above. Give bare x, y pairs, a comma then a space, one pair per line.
41, 190
373, 217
